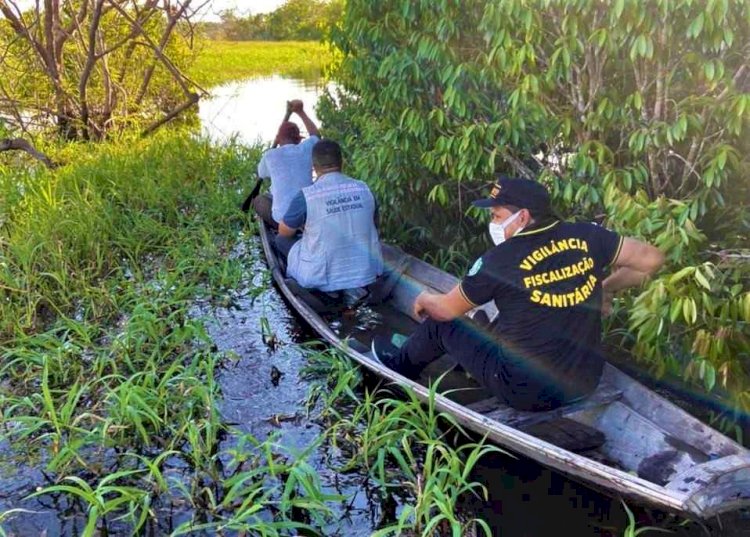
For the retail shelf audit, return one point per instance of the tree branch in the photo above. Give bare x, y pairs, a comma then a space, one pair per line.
172, 22
179, 77
192, 99
19, 144
90, 61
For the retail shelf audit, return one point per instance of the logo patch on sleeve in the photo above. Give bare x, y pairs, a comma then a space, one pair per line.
475, 267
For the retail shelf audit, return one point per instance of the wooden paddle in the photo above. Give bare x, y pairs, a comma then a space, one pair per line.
256, 189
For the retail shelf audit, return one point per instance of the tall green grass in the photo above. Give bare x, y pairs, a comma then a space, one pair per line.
70, 235
410, 449
105, 377
224, 61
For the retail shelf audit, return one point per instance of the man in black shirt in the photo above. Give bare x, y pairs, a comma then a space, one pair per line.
548, 281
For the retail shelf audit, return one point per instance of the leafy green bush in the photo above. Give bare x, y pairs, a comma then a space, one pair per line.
634, 113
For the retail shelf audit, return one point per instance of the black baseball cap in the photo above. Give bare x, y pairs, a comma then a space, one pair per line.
521, 193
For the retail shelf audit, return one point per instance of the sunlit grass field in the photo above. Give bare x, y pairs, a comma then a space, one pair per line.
225, 61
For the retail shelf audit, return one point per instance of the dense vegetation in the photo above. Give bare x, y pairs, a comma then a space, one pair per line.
107, 380
90, 69
634, 113
294, 20
108, 377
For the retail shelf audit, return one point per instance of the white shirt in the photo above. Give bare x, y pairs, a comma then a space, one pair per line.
290, 169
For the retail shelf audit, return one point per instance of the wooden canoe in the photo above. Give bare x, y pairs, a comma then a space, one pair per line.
653, 452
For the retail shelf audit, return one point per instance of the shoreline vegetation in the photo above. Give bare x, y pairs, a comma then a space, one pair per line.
108, 382
220, 62
637, 122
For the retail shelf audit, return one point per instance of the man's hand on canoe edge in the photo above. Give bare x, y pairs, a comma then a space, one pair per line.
441, 307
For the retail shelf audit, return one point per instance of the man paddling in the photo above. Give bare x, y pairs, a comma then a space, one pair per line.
547, 279
289, 166
339, 247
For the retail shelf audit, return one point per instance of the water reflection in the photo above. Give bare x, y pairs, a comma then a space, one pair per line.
252, 109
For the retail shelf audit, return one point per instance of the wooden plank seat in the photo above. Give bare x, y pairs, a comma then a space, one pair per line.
605, 393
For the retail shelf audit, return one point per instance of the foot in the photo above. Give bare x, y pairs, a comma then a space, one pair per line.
387, 350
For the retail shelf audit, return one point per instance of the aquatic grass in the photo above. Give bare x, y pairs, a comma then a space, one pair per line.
269, 491
438, 481
218, 62
404, 443
631, 530
268, 336
54, 419
72, 227
105, 377
334, 380
105, 497
136, 407
407, 450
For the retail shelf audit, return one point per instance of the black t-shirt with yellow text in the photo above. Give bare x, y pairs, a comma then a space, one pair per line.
547, 286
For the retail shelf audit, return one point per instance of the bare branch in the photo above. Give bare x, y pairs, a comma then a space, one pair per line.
78, 19
172, 21
518, 166
68, 44
192, 100
19, 144
179, 77
109, 95
90, 61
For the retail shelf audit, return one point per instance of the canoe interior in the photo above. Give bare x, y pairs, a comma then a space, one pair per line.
652, 449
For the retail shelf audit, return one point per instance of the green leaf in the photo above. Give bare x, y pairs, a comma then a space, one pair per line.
709, 379
675, 309
686, 313
617, 9
708, 70
681, 274
702, 279
695, 28
637, 100
642, 45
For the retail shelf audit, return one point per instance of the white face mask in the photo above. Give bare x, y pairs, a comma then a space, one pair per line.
497, 231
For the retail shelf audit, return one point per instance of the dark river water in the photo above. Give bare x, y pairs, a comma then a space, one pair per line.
526, 500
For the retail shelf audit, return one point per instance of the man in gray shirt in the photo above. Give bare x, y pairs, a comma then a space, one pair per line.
288, 164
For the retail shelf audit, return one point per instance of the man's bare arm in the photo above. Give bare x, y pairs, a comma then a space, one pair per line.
442, 307
636, 262
286, 231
